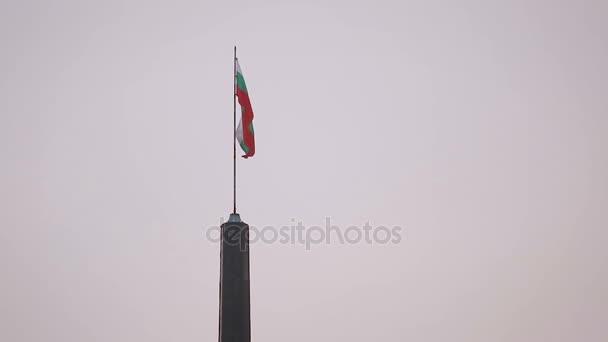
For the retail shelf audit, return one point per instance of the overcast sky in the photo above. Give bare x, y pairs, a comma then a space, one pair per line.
479, 127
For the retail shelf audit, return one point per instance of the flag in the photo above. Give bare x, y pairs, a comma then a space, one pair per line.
244, 132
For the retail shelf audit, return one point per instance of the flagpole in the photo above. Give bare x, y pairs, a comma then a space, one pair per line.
234, 137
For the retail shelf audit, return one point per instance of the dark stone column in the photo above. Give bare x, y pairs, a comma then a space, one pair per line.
234, 282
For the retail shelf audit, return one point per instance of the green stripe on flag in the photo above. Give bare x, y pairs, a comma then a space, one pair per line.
240, 82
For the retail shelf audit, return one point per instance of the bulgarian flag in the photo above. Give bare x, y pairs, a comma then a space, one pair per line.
244, 132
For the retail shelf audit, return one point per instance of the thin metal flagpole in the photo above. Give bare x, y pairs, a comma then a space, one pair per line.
234, 138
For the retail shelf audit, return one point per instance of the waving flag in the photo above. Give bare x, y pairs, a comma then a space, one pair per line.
244, 132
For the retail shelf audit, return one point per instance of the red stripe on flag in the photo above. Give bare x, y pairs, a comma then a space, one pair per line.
247, 119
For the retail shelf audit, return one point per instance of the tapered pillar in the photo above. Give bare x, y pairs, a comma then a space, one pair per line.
234, 320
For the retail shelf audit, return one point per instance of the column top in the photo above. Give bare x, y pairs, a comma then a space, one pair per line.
234, 217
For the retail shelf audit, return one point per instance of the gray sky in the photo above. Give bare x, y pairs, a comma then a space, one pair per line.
480, 127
